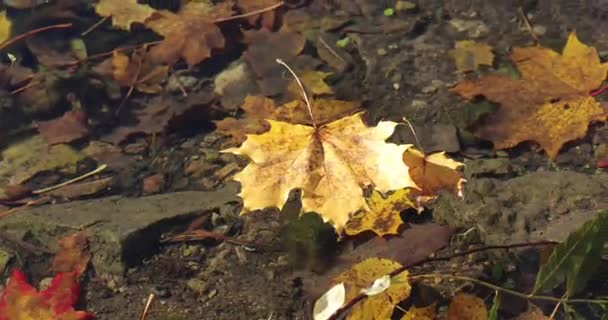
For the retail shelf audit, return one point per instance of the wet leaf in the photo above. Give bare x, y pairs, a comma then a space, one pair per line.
576, 259
314, 82
532, 314
469, 55
362, 276
465, 306
258, 108
73, 254
267, 19
124, 12
433, 173
20, 301
138, 71
383, 216
5, 27
190, 34
67, 128
421, 313
330, 164
550, 104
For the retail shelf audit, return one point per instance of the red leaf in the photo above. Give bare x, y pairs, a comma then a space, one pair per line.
20, 301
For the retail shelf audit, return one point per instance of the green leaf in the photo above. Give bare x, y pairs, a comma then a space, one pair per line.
493, 313
575, 260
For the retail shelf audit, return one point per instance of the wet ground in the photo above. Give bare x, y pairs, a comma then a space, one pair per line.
398, 66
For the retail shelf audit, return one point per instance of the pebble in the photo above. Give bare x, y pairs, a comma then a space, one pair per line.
212, 294
197, 285
381, 52
153, 184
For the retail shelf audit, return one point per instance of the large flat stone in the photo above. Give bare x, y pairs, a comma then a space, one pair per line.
127, 229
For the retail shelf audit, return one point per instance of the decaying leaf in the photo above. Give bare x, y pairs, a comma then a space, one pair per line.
67, 128
313, 81
258, 108
190, 34
124, 12
469, 55
138, 71
73, 254
264, 49
433, 173
383, 216
361, 276
267, 19
550, 104
532, 314
465, 306
421, 313
330, 164
20, 301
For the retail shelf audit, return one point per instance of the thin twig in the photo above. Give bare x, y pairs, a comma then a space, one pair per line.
308, 104
28, 204
599, 91
527, 23
93, 27
252, 13
144, 314
331, 50
552, 316
63, 184
415, 135
33, 32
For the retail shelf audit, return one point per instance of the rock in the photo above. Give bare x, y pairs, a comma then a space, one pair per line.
433, 138
535, 206
198, 286
488, 167
122, 231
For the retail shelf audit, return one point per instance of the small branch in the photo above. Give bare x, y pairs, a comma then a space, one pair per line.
33, 32
84, 176
599, 91
93, 27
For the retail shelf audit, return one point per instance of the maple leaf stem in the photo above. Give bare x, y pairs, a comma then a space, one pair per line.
599, 91
414, 133
33, 32
251, 13
308, 104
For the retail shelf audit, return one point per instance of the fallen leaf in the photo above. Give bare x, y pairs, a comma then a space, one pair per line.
124, 12
465, 306
421, 313
532, 314
469, 55
433, 173
313, 81
67, 128
155, 115
383, 216
267, 19
23, 159
550, 104
20, 301
329, 163
24, 4
5, 27
190, 34
258, 108
264, 49
138, 71
73, 254
361, 276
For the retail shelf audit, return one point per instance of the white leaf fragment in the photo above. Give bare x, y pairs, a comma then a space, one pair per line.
380, 285
330, 302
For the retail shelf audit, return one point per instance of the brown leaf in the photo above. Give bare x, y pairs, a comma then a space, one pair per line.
267, 19
138, 71
190, 34
67, 128
73, 254
465, 306
123, 12
264, 49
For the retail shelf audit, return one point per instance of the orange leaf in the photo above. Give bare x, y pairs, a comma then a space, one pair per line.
190, 34
465, 306
20, 301
138, 71
73, 254
550, 104
433, 173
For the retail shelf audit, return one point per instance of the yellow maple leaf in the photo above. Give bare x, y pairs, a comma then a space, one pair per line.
259, 108
421, 313
329, 163
550, 104
466, 306
383, 216
5, 27
362, 276
314, 81
469, 55
433, 173
124, 12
